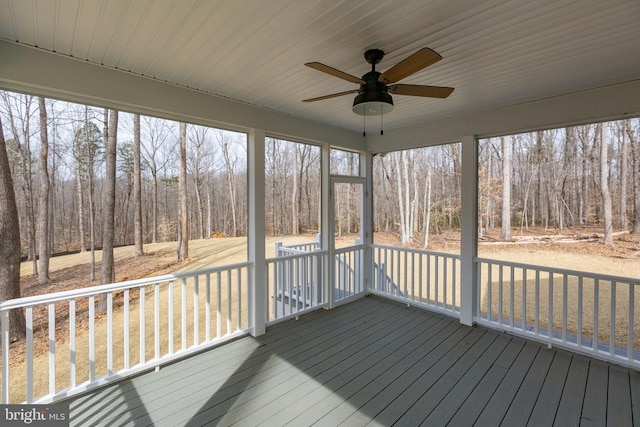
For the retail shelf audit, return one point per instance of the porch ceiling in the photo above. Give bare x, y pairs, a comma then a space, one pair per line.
496, 53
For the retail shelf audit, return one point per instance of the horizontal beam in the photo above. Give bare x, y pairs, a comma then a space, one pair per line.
612, 102
39, 72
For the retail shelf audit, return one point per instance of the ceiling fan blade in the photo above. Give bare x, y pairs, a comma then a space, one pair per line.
336, 73
416, 62
333, 95
419, 90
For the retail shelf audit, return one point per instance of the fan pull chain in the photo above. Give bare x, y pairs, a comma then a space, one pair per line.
364, 125
381, 131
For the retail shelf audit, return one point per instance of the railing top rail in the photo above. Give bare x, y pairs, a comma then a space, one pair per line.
111, 287
294, 250
302, 254
348, 249
562, 271
419, 251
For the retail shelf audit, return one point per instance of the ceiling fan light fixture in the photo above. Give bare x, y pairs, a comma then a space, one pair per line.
372, 104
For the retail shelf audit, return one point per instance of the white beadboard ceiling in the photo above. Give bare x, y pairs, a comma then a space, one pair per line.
496, 52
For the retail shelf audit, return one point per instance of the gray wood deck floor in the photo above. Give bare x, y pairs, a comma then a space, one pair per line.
372, 362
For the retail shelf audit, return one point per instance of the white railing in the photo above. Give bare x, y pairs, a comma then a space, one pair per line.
294, 282
588, 313
79, 339
298, 248
424, 278
348, 273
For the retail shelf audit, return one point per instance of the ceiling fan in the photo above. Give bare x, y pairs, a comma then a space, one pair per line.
375, 88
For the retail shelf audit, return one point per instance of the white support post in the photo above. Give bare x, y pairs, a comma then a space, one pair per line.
258, 286
469, 230
366, 170
327, 226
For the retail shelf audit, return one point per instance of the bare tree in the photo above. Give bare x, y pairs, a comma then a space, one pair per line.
19, 112
427, 208
10, 247
232, 187
183, 241
137, 189
43, 214
109, 199
604, 184
635, 174
624, 173
506, 188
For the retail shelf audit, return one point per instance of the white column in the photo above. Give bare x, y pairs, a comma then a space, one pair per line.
469, 230
327, 225
366, 170
256, 232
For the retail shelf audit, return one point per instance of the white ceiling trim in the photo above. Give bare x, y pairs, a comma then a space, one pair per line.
30, 70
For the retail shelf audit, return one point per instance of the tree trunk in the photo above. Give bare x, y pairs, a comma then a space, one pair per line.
427, 209
604, 184
624, 173
137, 189
506, 188
183, 243
109, 203
635, 153
80, 201
43, 214
154, 216
294, 193
10, 247
231, 186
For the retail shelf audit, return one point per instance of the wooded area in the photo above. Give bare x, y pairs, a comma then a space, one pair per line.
173, 180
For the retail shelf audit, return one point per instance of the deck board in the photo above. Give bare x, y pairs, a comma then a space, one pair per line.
570, 406
372, 362
594, 408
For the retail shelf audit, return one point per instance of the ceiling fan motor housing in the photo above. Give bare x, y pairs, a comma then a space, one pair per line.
373, 97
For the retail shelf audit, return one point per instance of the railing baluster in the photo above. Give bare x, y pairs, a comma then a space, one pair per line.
183, 314
565, 289
156, 320
580, 299
444, 282
489, 280
500, 292
550, 309
537, 303
207, 307
51, 307
512, 295
437, 280
142, 329
125, 330
612, 320
596, 313
92, 339
630, 322
219, 304
5, 357
524, 299
420, 282
196, 311
429, 279
239, 293
405, 272
109, 333
170, 315
72, 343
454, 278
228, 302
29, 321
